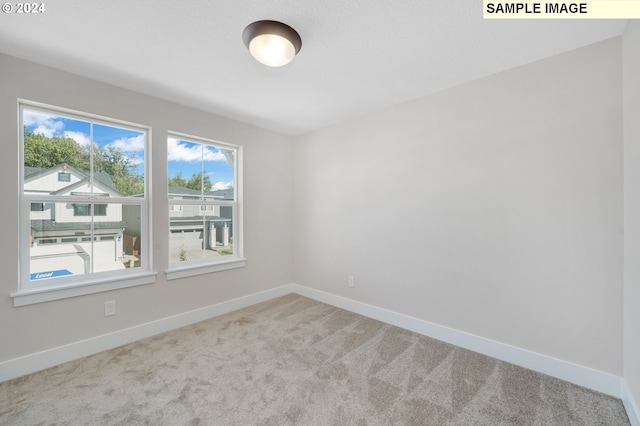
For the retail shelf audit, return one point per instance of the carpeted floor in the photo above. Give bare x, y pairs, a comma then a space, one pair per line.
293, 360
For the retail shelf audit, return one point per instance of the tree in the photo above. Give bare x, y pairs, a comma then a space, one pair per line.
178, 180
45, 152
195, 182
120, 168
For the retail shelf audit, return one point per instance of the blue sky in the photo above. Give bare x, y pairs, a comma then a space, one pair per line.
191, 157
182, 156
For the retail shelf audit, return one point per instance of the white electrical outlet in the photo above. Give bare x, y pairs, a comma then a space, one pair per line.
351, 282
109, 308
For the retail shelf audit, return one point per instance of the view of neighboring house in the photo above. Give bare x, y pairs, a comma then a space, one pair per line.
67, 240
197, 227
64, 235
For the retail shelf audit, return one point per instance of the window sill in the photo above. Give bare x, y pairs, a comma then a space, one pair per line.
46, 294
199, 269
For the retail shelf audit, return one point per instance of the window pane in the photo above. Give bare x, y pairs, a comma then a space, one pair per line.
51, 252
81, 209
132, 236
56, 153
118, 158
99, 209
200, 171
224, 231
185, 169
65, 246
200, 232
218, 170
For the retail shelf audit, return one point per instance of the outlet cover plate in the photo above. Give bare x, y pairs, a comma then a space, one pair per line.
109, 308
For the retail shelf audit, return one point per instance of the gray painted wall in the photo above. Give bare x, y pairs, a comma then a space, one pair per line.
494, 207
631, 80
267, 182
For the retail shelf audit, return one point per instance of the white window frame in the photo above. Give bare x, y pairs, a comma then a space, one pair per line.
194, 267
30, 292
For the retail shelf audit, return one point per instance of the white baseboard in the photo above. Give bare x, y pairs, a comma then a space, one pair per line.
39, 361
580, 375
630, 404
570, 372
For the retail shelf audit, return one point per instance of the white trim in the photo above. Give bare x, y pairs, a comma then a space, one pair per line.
205, 268
34, 295
630, 404
74, 114
564, 370
31, 363
199, 139
580, 375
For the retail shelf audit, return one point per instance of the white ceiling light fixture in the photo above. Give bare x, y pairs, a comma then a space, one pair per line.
272, 43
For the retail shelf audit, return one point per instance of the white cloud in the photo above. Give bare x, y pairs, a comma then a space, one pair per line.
43, 124
134, 144
177, 151
131, 145
222, 185
135, 161
81, 138
211, 155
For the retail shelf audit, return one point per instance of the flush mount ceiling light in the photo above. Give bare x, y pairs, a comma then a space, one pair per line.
271, 42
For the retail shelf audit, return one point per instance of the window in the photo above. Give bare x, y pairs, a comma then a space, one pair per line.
69, 236
85, 209
204, 190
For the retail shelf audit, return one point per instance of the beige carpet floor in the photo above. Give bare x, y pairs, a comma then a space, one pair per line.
295, 361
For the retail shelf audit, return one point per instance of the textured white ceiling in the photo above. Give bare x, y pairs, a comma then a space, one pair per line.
357, 56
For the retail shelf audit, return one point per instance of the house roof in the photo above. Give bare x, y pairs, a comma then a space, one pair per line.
28, 171
180, 190
32, 173
82, 183
224, 194
104, 179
